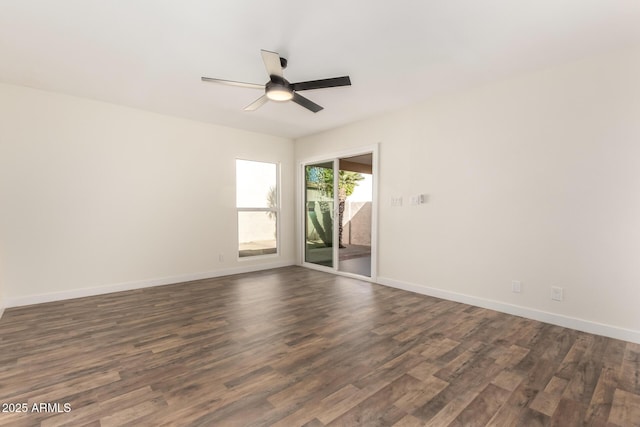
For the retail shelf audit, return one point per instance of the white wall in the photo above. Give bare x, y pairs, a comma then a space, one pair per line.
97, 197
1, 297
534, 179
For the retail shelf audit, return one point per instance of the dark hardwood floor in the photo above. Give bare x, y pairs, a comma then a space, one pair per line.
292, 347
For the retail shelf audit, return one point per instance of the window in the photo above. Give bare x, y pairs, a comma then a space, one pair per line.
258, 207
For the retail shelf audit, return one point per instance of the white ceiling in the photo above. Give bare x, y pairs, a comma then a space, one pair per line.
150, 54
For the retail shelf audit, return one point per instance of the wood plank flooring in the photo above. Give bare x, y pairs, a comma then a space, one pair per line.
294, 347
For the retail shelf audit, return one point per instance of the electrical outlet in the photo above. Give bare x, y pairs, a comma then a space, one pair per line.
221, 258
516, 286
557, 293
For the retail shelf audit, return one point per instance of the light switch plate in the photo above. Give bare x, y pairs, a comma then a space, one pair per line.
557, 293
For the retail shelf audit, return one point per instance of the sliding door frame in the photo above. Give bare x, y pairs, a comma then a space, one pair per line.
301, 210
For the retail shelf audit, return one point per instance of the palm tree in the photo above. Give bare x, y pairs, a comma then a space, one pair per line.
321, 179
272, 201
347, 182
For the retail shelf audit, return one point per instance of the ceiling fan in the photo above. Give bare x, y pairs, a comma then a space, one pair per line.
279, 89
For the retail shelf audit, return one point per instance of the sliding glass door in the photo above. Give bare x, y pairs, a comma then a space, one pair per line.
320, 213
339, 214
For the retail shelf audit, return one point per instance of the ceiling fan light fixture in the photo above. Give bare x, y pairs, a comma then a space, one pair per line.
279, 94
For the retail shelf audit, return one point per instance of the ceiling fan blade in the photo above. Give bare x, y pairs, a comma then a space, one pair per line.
272, 63
306, 103
232, 83
257, 103
319, 84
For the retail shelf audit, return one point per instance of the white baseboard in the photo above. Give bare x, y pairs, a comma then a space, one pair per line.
529, 313
127, 286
